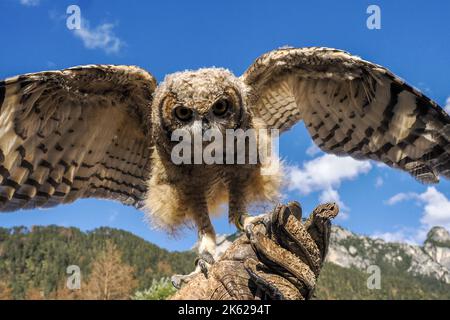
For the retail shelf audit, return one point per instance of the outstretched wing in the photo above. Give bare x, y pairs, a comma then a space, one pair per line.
76, 133
352, 107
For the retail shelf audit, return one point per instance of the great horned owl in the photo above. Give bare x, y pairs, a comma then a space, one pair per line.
105, 131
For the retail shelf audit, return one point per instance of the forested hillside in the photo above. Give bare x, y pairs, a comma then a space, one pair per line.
36, 260
33, 266
340, 283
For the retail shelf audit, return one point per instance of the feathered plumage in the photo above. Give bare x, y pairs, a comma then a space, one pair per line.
104, 131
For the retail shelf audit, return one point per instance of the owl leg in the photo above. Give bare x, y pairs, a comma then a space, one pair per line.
238, 210
206, 249
207, 239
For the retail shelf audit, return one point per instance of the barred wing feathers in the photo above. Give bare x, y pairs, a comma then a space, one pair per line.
76, 133
352, 107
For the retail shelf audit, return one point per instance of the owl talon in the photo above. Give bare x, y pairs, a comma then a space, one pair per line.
248, 222
205, 256
243, 220
204, 261
202, 264
239, 221
179, 280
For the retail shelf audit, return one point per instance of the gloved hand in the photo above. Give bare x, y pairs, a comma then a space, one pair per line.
279, 257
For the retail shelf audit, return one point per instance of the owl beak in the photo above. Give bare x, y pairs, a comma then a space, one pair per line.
200, 126
206, 125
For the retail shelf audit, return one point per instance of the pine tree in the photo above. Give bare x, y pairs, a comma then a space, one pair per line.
110, 278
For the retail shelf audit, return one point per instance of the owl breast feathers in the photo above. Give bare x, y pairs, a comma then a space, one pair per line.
96, 130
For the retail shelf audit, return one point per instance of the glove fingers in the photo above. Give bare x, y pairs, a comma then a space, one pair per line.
293, 236
274, 286
296, 209
283, 262
318, 225
234, 279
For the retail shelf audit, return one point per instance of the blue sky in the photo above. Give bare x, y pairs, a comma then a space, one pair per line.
163, 37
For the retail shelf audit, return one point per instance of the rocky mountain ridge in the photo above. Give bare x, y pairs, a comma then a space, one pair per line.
432, 259
350, 250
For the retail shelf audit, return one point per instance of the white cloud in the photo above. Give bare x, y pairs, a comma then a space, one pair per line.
436, 212
397, 236
329, 195
436, 208
325, 174
379, 182
411, 236
332, 195
312, 150
100, 37
29, 3
447, 105
380, 165
399, 197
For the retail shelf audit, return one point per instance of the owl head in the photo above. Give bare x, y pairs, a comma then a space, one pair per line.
201, 100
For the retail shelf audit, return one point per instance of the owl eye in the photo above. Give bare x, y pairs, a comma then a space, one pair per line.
183, 113
221, 107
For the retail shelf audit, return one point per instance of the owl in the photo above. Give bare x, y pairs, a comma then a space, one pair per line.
103, 131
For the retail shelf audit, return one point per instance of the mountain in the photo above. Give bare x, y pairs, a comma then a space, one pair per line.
430, 260
406, 271
38, 258
437, 247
